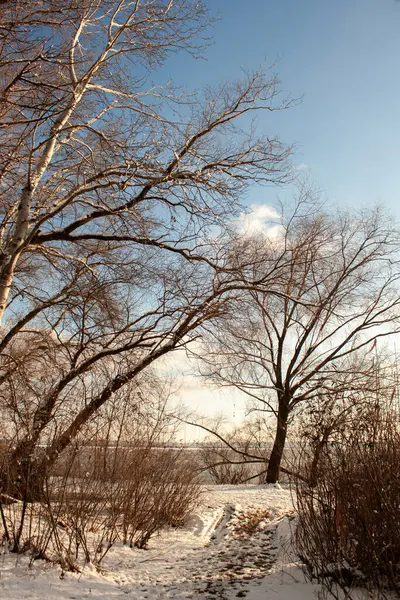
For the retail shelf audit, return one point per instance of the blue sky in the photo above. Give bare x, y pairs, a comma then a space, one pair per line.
343, 58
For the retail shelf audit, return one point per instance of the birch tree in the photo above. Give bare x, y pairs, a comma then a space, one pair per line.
112, 187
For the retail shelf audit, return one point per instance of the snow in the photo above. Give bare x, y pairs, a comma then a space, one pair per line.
236, 545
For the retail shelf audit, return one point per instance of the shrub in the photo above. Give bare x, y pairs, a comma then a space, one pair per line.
101, 495
223, 465
348, 516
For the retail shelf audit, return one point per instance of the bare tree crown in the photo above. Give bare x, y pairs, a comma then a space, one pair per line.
109, 187
314, 302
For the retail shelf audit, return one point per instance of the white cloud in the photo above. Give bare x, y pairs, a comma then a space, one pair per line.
261, 219
302, 167
275, 232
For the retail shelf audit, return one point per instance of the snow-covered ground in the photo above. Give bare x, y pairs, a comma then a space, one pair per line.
236, 545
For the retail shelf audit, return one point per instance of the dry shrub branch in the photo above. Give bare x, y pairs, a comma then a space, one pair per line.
110, 489
348, 516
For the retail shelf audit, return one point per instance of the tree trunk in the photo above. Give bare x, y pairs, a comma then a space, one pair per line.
22, 476
274, 463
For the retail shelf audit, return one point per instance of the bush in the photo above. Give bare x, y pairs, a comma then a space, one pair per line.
223, 465
101, 495
348, 516
239, 455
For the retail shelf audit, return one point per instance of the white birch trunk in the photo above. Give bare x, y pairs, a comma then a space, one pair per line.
21, 230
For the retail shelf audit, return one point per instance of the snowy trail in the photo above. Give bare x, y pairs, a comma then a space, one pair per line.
224, 569
214, 557
225, 552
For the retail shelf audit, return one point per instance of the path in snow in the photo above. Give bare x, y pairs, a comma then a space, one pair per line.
222, 554
232, 560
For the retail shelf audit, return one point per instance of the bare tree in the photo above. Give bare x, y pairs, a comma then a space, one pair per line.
333, 295
109, 188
